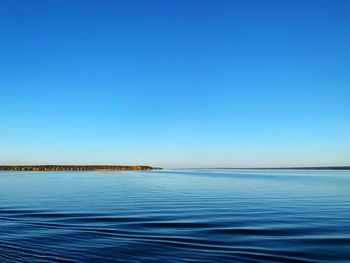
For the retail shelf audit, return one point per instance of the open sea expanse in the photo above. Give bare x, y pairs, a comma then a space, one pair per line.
207, 215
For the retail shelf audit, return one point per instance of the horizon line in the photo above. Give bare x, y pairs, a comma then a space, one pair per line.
328, 167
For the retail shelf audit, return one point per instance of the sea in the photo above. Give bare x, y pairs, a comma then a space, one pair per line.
183, 215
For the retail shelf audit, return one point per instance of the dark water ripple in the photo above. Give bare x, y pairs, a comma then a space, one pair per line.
175, 216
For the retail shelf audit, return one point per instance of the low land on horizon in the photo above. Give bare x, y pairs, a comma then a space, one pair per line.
75, 167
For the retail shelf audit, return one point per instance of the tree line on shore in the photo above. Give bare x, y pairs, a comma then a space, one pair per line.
74, 167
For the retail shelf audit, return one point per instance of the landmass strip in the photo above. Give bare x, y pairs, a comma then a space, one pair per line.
75, 168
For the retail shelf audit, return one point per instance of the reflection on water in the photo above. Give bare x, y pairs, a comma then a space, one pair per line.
175, 216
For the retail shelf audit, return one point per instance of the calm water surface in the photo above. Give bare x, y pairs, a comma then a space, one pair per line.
175, 216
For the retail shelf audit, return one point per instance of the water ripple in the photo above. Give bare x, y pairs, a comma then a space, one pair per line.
175, 216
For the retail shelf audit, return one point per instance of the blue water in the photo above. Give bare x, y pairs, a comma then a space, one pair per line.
175, 216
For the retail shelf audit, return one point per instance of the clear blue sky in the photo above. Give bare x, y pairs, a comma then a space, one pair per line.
175, 83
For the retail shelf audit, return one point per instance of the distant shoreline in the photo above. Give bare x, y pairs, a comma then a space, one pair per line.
76, 168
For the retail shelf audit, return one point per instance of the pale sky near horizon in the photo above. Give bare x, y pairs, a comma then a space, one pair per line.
175, 83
